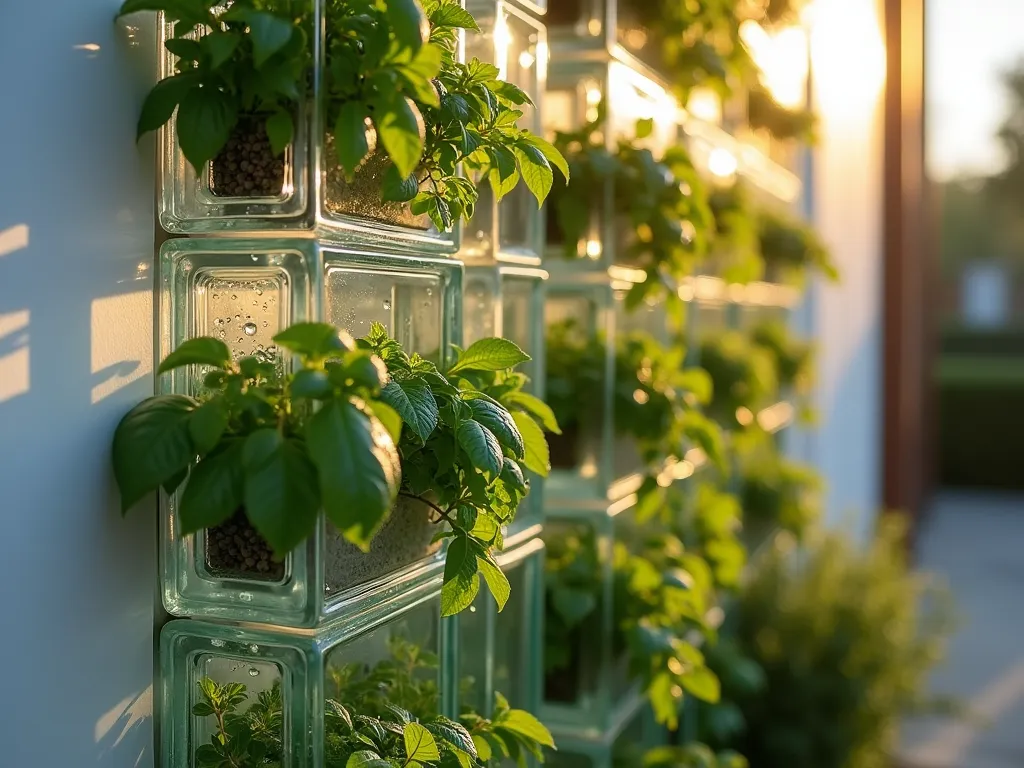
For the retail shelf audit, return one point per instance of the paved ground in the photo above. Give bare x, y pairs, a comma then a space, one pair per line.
977, 543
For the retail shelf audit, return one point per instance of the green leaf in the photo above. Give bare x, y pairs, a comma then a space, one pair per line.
497, 581
396, 189
206, 425
152, 445
499, 422
269, 33
359, 469
415, 403
481, 446
407, 22
315, 340
280, 131
461, 583
389, 418
419, 744
512, 474
199, 351
162, 100
398, 124
350, 140
573, 605
184, 49
536, 171
538, 458
644, 127
215, 490
524, 724
702, 683
366, 759
219, 46
490, 355
206, 117
533, 405
310, 383
281, 499
554, 157
483, 749
452, 15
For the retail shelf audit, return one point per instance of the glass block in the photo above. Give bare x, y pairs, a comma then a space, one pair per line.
516, 43
243, 292
588, 688
290, 679
576, 88
612, 750
246, 189
501, 651
580, 320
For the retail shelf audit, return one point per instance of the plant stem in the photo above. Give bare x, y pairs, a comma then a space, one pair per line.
444, 514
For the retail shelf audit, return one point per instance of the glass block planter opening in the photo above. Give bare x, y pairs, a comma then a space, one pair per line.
500, 651
249, 188
580, 322
244, 292
587, 682
276, 691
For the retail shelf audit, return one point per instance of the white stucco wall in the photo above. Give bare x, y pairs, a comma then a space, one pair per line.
77, 594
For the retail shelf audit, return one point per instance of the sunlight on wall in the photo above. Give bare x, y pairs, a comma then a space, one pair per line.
848, 56
13, 239
119, 357
14, 366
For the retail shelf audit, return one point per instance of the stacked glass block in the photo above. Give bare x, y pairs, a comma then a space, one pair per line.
305, 244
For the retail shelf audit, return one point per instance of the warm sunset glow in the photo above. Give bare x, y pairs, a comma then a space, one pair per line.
782, 58
847, 54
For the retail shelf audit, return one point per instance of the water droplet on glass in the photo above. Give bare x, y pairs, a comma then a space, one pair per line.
265, 323
387, 305
217, 643
245, 597
254, 257
227, 320
234, 296
259, 291
253, 672
249, 328
430, 291
254, 648
240, 340
238, 317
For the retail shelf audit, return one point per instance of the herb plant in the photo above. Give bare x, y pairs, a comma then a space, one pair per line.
780, 492
464, 451
365, 728
794, 359
279, 446
664, 220
783, 123
688, 756
791, 249
743, 376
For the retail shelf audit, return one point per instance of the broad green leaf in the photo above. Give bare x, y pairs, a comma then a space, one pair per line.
367, 759
523, 723
499, 422
461, 583
644, 127
206, 425
538, 458
408, 23
702, 683
534, 406
215, 490
280, 131
269, 33
396, 189
316, 340
152, 445
219, 46
415, 403
199, 351
536, 171
162, 100
419, 744
350, 139
554, 157
497, 581
359, 469
452, 15
398, 125
281, 495
425, 66
310, 383
483, 748
491, 354
206, 117
512, 474
389, 418
189, 12
481, 446
573, 605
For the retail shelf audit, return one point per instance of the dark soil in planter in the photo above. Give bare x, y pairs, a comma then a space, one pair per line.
247, 166
565, 448
405, 538
234, 549
362, 197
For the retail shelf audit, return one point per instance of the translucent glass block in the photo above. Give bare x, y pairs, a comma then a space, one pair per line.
580, 319
588, 689
577, 86
501, 651
243, 292
389, 653
247, 189
516, 43
612, 750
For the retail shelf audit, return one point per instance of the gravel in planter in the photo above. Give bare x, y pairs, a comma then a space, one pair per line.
234, 549
247, 166
403, 539
361, 197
